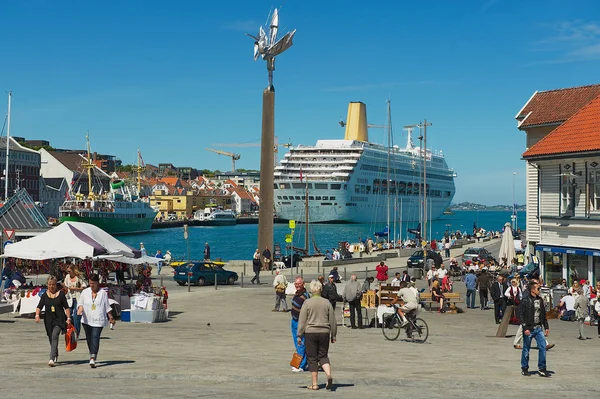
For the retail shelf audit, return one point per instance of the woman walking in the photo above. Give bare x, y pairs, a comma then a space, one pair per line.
318, 327
74, 284
93, 306
57, 316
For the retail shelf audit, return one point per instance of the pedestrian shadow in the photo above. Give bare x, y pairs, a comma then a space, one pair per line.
113, 363
173, 313
7, 321
334, 386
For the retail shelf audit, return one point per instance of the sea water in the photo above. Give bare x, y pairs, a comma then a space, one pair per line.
240, 241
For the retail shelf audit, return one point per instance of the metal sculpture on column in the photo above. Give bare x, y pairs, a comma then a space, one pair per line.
268, 47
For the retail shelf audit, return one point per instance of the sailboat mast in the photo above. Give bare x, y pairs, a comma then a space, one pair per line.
89, 166
425, 124
139, 170
388, 184
7, 148
306, 221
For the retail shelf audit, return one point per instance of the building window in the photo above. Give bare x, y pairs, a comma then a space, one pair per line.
595, 269
577, 267
593, 191
566, 196
553, 262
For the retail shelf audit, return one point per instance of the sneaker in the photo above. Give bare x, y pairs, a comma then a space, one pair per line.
403, 323
524, 371
51, 363
93, 363
296, 370
112, 326
550, 346
543, 373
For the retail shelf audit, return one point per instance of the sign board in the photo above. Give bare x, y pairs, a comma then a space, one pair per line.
9, 233
7, 242
292, 224
288, 238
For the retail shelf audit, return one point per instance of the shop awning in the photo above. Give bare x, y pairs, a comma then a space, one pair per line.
567, 250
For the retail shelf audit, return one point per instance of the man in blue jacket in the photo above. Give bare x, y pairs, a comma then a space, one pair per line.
471, 283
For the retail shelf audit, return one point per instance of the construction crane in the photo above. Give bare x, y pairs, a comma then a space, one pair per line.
234, 157
276, 149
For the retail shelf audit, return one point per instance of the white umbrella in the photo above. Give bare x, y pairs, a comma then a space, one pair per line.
507, 246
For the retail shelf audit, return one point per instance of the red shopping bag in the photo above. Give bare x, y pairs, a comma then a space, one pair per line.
71, 338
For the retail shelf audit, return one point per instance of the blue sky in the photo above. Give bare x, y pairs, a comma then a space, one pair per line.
172, 78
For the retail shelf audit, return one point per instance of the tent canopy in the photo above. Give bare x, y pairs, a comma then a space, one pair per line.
70, 240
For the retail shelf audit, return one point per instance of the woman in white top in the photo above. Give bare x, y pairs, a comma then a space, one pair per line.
74, 285
93, 306
514, 293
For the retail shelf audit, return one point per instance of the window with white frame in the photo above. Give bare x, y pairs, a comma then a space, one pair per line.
593, 191
566, 195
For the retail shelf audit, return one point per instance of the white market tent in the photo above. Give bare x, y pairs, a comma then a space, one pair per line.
70, 240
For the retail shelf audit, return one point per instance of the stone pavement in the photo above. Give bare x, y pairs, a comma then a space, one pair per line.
227, 343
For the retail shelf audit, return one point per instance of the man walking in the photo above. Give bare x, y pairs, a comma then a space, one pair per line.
498, 289
159, 255
266, 258
532, 315
300, 296
206, 251
471, 284
256, 267
483, 284
353, 295
329, 291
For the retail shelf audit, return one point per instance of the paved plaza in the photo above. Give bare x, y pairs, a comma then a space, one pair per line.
227, 343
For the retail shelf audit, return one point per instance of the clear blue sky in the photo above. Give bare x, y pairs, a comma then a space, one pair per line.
172, 78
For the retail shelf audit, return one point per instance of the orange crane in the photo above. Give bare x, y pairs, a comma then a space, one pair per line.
234, 157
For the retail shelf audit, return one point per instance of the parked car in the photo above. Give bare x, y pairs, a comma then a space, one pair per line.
203, 273
416, 259
478, 254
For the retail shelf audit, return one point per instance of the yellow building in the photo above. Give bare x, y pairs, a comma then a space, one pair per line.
184, 206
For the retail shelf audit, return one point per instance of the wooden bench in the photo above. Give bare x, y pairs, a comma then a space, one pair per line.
452, 298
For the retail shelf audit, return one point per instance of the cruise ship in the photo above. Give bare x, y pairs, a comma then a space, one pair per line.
346, 181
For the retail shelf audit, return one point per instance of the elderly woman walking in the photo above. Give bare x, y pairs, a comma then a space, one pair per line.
318, 326
57, 316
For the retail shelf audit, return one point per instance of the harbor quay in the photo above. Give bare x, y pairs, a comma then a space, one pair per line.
227, 343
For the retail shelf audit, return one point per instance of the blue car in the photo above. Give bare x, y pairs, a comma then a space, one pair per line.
203, 273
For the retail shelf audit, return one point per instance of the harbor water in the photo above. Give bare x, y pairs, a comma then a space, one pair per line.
240, 241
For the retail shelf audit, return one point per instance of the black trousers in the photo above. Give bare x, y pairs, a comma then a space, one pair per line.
499, 308
317, 348
483, 297
355, 307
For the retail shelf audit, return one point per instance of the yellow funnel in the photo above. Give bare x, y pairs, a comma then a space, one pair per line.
356, 123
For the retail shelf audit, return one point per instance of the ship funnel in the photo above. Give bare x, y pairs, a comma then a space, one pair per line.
356, 123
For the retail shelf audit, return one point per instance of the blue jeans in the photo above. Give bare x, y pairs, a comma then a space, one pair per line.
92, 336
76, 318
471, 299
300, 349
159, 266
538, 335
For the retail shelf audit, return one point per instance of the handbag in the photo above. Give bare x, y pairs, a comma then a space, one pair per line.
71, 338
296, 360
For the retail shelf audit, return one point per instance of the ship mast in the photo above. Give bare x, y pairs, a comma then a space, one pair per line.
7, 148
139, 173
388, 184
89, 165
306, 215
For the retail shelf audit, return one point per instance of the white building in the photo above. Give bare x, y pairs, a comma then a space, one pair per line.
563, 182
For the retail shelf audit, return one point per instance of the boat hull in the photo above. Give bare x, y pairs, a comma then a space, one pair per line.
226, 222
114, 226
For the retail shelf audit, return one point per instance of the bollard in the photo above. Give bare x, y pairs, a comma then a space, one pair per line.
345, 279
366, 272
162, 284
302, 273
189, 284
291, 273
244, 268
297, 268
215, 281
242, 278
318, 268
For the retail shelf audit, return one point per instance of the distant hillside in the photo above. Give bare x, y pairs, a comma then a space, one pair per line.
469, 206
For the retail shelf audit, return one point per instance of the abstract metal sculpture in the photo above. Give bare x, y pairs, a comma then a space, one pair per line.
268, 47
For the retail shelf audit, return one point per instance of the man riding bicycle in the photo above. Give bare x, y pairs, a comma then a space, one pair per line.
409, 302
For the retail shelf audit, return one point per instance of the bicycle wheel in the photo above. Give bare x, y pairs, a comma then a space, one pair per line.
390, 328
420, 331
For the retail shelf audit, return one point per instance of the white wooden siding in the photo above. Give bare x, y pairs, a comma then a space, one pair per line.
549, 189
568, 233
580, 191
532, 222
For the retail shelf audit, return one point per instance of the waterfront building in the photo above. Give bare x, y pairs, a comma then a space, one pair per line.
241, 179
53, 191
69, 165
23, 169
242, 202
183, 205
563, 181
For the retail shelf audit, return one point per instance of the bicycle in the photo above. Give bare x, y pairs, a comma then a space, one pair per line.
416, 328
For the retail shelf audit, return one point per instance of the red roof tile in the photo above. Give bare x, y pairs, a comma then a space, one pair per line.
580, 133
555, 106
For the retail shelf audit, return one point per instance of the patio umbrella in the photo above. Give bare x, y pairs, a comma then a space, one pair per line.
507, 246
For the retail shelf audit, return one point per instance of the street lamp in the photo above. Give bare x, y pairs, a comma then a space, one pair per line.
514, 205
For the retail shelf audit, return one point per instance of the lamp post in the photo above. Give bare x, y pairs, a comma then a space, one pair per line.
268, 47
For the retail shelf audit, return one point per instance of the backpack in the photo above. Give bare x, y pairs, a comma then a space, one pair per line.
280, 289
